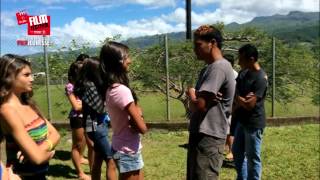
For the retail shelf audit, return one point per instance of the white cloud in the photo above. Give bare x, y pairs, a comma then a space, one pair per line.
101, 4
94, 33
49, 2
262, 7
178, 16
56, 7
204, 2
227, 12
79, 29
233, 11
154, 3
267, 7
8, 19
208, 17
221, 16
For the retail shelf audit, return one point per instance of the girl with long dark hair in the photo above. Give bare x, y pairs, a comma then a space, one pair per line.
126, 116
79, 137
88, 88
23, 126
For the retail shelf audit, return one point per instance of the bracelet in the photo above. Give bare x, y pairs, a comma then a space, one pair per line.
50, 144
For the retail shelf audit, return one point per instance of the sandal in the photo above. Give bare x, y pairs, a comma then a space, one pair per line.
84, 177
229, 157
84, 161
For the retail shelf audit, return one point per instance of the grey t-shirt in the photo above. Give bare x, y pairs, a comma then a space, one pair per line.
215, 77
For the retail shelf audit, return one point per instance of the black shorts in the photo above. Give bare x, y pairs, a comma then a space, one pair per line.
76, 122
41, 176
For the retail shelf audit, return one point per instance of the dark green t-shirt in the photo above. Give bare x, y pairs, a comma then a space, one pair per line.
256, 82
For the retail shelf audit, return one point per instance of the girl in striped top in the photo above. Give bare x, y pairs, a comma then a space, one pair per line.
30, 137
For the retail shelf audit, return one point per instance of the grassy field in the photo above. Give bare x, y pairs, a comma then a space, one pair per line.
154, 106
288, 153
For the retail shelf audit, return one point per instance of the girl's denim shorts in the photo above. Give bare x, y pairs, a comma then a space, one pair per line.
100, 140
128, 162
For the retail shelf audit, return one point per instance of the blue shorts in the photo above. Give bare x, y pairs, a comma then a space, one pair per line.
100, 140
128, 162
0, 170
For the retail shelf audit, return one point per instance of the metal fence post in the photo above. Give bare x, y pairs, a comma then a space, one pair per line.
167, 75
273, 75
47, 78
188, 20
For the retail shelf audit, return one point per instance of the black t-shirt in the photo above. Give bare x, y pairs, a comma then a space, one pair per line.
256, 82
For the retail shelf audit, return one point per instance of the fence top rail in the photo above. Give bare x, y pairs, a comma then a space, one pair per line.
280, 121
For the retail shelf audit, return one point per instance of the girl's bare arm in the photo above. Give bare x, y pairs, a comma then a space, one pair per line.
75, 103
12, 123
137, 118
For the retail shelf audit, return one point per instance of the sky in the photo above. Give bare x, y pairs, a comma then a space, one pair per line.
91, 21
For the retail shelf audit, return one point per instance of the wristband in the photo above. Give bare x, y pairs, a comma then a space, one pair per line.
50, 144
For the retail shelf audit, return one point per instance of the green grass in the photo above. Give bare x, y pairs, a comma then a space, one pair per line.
154, 106
288, 153
291, 152
301, 106
59, 103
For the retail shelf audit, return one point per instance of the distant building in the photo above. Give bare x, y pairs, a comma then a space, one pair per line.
39, 74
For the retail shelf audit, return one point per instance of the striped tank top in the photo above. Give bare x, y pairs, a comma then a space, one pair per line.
38, 131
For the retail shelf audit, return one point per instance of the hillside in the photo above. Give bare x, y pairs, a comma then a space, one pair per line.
293, 27
296, 26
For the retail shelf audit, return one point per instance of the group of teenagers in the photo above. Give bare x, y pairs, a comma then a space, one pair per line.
100, 95
99, 92
224, 106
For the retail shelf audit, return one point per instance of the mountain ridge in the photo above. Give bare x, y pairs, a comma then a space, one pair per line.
288, 27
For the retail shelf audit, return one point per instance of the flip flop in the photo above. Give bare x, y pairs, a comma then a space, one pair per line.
84, 161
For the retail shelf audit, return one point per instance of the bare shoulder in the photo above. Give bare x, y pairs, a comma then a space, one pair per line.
9, 114
7, 109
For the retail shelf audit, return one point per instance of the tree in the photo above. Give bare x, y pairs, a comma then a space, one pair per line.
315, 80
149, 68
295, 65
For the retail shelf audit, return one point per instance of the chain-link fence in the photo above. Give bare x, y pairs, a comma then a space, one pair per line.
293, 99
